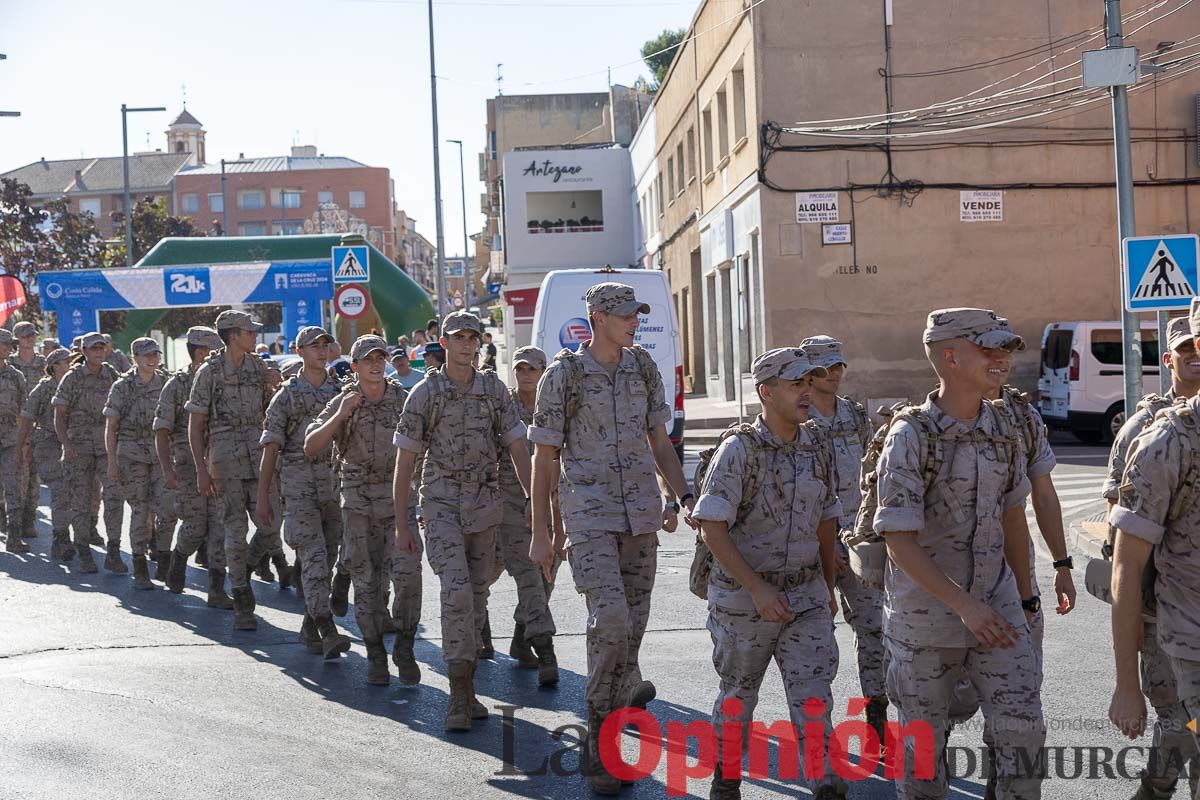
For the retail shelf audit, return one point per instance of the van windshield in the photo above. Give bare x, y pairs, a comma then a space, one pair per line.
1106, 347
1057, 353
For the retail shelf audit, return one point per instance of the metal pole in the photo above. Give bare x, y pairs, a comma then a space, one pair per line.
468, 266
1130, 326
1164, 374
224, 203
125, 174
440, 278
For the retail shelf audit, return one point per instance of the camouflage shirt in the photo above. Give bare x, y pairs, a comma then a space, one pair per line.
132, 402
1162, 460
170, 415
1117, 456
362, 450
118, 361
33, 370
849, 433
12, 397
957, 522
607, 481
233, 399
510, 486
83, 395
777, 533
38, 408
290, 412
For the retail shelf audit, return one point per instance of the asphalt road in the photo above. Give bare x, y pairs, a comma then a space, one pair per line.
112, 693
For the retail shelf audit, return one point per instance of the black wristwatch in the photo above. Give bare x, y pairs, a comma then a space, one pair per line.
686, 497
1067, 562
674, 506
1032, 605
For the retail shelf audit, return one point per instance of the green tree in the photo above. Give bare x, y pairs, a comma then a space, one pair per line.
659, 51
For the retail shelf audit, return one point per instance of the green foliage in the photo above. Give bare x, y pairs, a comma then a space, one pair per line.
659, 61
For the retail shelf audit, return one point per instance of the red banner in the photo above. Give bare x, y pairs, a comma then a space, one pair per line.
12, 296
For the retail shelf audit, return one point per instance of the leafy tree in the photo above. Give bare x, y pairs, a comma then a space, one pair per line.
656, 59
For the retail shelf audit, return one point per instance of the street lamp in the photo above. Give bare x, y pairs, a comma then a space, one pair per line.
440, 277
225, 200
125, 111
468, 267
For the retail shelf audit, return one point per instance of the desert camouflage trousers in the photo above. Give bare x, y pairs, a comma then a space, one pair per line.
405, 571
143, 489
463, 563
368, 534
86, 478
312, 526
862, 608
512, 554
201, 518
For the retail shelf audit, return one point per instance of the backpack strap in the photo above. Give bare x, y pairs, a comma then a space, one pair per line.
1184, 420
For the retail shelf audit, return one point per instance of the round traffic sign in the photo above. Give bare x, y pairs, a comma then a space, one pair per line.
351, 301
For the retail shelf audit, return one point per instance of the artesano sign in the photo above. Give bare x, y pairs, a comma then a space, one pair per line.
567, 173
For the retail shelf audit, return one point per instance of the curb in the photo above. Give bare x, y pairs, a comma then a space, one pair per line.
1087, 536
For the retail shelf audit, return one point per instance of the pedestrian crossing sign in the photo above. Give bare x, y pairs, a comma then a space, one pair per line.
1158, 273
351, 264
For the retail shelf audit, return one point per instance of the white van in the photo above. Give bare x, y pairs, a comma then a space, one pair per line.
560, 320
1082, 383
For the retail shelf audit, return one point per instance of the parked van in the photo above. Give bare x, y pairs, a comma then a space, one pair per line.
560, 320
1082, 383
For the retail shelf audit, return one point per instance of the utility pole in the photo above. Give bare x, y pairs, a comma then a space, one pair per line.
440, 277
125, 111
468, 265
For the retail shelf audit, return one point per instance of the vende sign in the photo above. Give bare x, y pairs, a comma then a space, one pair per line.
981, 206
816, 206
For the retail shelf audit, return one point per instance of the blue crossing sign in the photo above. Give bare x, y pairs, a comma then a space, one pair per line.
351, 264
1159, 273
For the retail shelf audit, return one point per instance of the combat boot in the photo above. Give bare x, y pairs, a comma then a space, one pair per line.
458, 710
162, 565
283, 570
547, 664
298, 579
339, 594
1150, 789
377, 668
216, 590
141, 573
112, 561
476, 709
724, 788
16, 543
264, 569
600, 779
202, 555
87, 563
877, 717
642, 694
520, 649
177, 572
333, 643
309, 637
94, 537
403, 658
243, 610
486, 650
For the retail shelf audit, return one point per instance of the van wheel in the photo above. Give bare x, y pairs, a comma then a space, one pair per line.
1114, 420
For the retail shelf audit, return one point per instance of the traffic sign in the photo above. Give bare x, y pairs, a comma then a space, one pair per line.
351, 264
1159, 273
351, 301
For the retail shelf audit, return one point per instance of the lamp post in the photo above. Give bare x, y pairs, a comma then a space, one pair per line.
224, 199
125, 111
468, 267
440, 277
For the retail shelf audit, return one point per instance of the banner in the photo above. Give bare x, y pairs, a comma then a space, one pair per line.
12, 296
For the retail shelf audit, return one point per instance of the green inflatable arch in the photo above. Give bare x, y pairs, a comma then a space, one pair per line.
401, 304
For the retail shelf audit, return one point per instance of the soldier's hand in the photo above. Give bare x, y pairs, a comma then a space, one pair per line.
991, 629
771, 604
541, 552
404, 538
560, 546
171, 478
204, 482
263, 512
1064, 589
350, 402
688, 508
670, 519
1128, 711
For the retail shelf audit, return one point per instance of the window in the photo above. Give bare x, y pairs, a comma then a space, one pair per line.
722, 124
738, 81
658, 187
1107, 348
358, 199
710, 322
691, 153
291, 199
289, 227
216, 203
251, 200
253, 229
565, 212
179, 147
191, 203
706, 131
671, 180
90, 205
679, 166
324, 198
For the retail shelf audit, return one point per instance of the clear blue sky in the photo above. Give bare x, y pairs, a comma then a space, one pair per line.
351, 76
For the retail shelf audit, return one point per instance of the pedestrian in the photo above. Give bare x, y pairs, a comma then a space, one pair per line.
312, 520
12, 397
846, 424
37, 426
459, 418
489, 351
278, 347
435, 356
432, 332
769, 513
79, 422
266, 543
1173, 750
115, 358
49, 346
405, 374
33, 367
129, 441
604, 408
356, 423
201, 516
957, 594
226, 407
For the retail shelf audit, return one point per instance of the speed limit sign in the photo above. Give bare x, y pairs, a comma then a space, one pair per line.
351, 301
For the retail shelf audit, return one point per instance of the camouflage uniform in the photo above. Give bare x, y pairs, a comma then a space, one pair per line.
611, 506
33, 370
83, 395
47, 452
312, 520
132, 402
776, 533
958, 525
12, 397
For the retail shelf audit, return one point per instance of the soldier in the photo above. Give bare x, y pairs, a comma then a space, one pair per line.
12, 397
849, 430
951, 486
201, 515
770, 591
33, 367
226, 407
532, 615
357, 423
115, 358
312, 520
604, 408
49, 346
266, 545
458, 416
37, 415
1173, 746
79, 422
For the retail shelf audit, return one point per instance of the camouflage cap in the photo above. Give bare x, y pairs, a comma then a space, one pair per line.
824, 351
311, 334
91, 340
237, 319
1179, 332
6, 336
144, 346
77, 343
200, 336
1194, 317
57, 355
533, 356
789, 363
54, 342
614, 298
978, 325
23, 329
365, 345
107, 338
292, 368
461, 321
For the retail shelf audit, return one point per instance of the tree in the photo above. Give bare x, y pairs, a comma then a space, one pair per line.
659, 51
